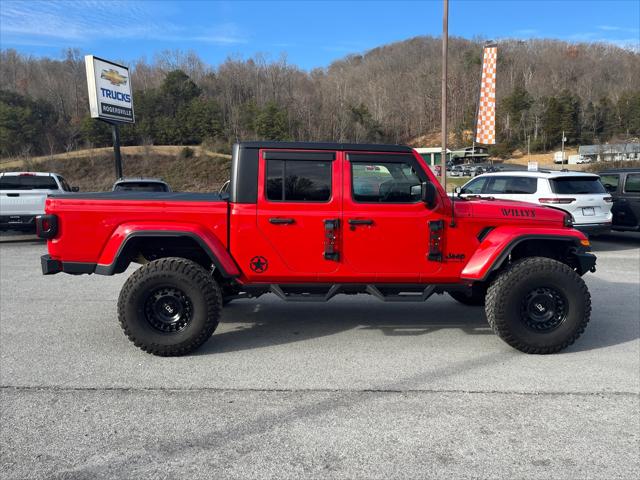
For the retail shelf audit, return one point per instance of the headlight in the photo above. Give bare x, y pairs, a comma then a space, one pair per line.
568, 220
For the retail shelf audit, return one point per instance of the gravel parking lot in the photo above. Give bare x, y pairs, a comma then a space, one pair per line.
354, 388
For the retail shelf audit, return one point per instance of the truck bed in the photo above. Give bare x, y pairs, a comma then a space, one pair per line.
90, 224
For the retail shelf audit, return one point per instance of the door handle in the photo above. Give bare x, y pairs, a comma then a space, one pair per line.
282, 221
357, 221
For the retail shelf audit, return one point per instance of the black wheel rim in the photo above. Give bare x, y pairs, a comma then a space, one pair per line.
168, 309
544, 309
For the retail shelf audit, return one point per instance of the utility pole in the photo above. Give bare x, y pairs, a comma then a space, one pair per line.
528, 148
115, 134
445, 39
563, 140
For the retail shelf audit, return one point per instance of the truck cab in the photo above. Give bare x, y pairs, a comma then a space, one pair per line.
308, 221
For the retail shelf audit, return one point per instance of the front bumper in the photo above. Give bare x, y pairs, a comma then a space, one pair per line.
593, 228
51, 266
586, 262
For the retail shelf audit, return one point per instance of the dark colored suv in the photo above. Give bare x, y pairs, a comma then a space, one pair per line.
624, 186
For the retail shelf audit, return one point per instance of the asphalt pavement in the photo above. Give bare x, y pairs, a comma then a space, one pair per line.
352, 388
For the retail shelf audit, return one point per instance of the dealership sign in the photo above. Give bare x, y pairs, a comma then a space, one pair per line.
109, 90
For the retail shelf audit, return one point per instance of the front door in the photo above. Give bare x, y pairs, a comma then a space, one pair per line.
386, 225
298, 209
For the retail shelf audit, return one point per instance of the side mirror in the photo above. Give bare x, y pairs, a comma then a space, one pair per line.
75, 189
429, 194
457, 190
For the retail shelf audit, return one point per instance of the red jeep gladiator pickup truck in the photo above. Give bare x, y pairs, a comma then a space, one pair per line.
307, 221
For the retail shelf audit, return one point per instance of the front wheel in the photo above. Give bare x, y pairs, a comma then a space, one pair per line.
169, 306
538, 305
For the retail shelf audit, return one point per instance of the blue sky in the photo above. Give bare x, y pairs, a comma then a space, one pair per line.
311, 33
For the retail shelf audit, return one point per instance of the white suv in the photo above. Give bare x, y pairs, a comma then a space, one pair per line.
580, 194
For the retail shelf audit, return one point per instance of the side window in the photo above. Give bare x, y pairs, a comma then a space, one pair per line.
632, 183
64, 184
384, 182
298, 181
474, 186
512, 185
522, 185
496, 185
610, 182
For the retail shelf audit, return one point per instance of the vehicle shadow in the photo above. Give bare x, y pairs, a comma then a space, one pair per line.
20, 237
261, 323
615, 241
266, 322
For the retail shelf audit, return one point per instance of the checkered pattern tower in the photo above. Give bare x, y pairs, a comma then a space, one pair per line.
486, 121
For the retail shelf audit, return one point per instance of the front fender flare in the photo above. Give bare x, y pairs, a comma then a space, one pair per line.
115, 246
499, 243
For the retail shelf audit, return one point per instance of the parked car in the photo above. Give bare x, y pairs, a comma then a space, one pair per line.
308, 221
23, 195
580, 194
624, 186
141, 184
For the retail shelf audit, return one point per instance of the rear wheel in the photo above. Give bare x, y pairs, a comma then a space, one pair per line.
538, 305
169, 306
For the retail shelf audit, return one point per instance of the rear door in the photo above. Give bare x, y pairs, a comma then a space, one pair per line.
630, 201
298, 207
386, 225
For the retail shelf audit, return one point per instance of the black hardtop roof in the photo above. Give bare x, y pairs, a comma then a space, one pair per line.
327, 146
620, 170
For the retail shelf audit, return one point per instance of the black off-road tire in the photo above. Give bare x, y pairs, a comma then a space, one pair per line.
509, 303
473, 298
183, 285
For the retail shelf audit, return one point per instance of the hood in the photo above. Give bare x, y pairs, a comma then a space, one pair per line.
509, 211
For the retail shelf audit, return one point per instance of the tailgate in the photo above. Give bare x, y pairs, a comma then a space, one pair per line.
20, 202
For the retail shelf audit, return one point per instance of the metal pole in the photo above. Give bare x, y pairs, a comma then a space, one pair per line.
115, 132
445, 38
562, 147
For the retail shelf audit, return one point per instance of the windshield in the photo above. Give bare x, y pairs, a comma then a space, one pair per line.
140, 187
27, 182
576, 185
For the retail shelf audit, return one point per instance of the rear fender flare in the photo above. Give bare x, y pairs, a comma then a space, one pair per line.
112, 261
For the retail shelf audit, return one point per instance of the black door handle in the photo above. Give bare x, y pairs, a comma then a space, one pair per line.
282, 221
356, 221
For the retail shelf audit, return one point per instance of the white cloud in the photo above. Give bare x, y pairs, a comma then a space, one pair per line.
82, 22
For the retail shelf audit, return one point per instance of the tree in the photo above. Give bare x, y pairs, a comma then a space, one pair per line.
272, 123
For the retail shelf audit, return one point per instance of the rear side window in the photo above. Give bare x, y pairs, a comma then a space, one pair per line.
511, 185
632, 183
140, 187
384, 182
576, 185
298, 181
610, 182
27, 182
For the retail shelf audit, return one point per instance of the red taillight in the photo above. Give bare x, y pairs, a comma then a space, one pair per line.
27, 175
608, 199
561, 201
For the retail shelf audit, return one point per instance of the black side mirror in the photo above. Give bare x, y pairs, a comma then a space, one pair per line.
75, 189
429, 194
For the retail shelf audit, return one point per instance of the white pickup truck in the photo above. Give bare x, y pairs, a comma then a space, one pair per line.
22, 197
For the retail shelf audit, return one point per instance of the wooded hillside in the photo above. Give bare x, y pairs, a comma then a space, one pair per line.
389, 94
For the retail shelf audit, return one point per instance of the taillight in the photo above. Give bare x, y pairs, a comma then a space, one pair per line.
561, 201
608, 199
27, 175
46, 226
